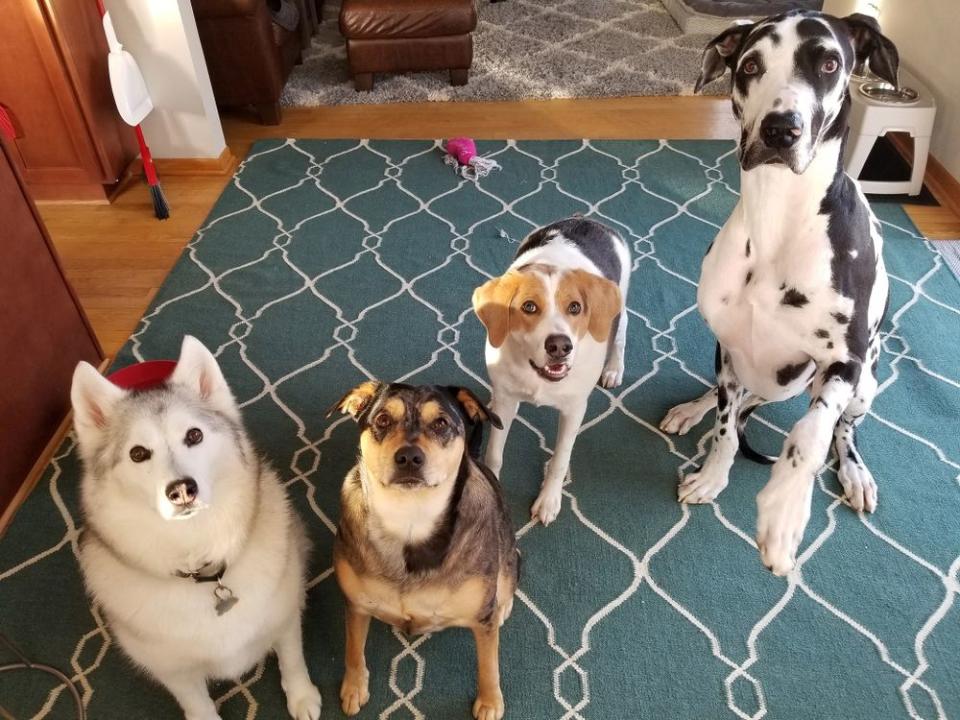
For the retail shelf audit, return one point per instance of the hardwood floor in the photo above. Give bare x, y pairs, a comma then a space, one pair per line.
117, 255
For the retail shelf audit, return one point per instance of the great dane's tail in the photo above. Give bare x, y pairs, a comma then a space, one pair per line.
749, 452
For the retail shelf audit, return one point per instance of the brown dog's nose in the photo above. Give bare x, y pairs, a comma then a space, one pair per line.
558, 347
409, 457
182, 492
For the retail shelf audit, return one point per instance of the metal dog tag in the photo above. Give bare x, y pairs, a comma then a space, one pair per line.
225, 598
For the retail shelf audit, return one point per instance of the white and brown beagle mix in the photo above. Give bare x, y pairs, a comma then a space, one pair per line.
551, 335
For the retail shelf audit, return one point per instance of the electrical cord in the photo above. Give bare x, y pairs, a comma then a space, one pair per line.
25, 664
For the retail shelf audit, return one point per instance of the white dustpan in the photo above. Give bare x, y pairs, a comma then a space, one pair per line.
129, 89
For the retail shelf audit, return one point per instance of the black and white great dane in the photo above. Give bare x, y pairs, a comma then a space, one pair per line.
794, 285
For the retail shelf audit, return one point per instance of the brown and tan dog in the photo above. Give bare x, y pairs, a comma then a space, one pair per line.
425, 541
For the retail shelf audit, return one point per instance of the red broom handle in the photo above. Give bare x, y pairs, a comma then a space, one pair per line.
101, 8
148, 168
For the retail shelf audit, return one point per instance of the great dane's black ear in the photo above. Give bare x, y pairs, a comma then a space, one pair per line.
873, 46
721, 53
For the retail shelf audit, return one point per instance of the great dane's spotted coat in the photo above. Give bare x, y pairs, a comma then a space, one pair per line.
794, 285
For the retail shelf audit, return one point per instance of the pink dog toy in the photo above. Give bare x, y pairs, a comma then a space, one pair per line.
462, 155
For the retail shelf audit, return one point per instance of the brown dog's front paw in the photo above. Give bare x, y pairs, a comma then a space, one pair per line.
354, 691
489, 706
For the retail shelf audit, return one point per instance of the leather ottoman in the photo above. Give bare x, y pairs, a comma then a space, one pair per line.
403, 35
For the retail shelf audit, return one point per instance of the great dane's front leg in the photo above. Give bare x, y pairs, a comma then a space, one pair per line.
505, 408
783, 506
704, 485
547, 505
859, 487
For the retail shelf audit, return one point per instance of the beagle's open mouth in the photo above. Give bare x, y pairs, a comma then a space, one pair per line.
554, 372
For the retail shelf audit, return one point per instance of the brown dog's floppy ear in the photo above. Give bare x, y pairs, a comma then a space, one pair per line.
491, 303
603, 301
873, 46
474, 407
721, 53
355, 402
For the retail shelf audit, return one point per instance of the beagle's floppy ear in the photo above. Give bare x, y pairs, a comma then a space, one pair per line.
873, 46
474, 408
720, 53
356, 402
491, 303
603, 303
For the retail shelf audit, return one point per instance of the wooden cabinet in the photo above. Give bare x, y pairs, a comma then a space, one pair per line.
71, 144
43, 333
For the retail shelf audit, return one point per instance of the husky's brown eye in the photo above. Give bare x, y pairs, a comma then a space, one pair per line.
830, 66
751, 67
440, 424
529, 307
574, 308
382, 420
194, 437
138, 453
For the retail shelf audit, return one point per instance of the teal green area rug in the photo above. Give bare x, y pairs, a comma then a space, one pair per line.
328, 262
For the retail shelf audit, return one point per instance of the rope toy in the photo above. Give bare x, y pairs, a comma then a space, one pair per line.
461, 154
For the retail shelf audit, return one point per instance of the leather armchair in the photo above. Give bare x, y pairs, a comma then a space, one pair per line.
401, 35
248, 56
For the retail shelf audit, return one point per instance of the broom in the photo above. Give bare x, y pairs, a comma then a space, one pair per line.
134, 104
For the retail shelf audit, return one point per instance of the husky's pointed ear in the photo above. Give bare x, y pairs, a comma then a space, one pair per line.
720, 53
357, 401
198, 370
873, 46
93, 398
474, 408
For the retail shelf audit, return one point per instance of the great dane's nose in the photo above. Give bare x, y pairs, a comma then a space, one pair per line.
781, 130
558, 347
409, 457
182, 492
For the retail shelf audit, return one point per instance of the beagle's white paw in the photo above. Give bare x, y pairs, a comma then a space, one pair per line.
783, 510
547, 505
612, 375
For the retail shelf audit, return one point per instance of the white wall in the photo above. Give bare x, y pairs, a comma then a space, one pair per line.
927, 33
162, 37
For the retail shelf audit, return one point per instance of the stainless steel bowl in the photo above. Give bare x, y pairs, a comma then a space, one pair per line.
886, 93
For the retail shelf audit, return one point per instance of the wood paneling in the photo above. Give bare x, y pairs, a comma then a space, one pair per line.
42, 329
55, 83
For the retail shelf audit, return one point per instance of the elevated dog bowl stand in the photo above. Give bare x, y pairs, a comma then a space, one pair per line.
871, 119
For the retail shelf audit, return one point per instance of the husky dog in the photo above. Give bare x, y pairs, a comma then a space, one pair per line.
190, 544
425, 541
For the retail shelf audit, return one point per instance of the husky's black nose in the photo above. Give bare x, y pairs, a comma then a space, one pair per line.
558, 347
409, 457
182, 492
781, 130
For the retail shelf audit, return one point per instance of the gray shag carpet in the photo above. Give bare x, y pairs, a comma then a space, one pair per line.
526, 49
